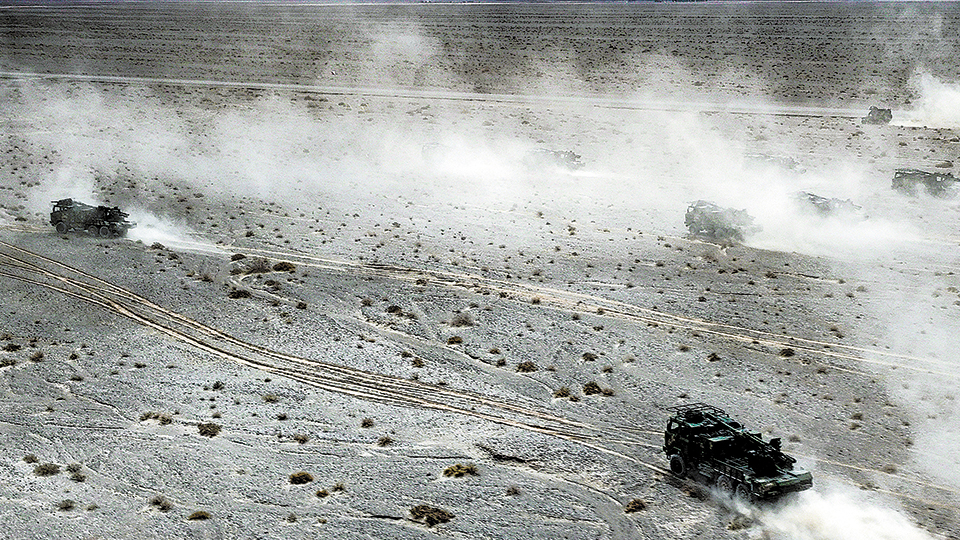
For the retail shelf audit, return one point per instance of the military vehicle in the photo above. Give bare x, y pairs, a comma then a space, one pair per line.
877, 116
71, 215
564, 159
706, 220
825, 207
786, 163
703, 443
937, 184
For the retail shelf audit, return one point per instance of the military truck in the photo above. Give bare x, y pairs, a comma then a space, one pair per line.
877, 116
104, 221
702, 442
708, 221
909, 180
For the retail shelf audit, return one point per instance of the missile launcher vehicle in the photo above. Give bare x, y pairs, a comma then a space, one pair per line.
710, 222
908, 181
705, 444
104, 221
877, 116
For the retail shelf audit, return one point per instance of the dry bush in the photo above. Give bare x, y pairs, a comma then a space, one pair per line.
462, 319
301, 438
30, 458
301, 477
459, 470
589, 356
454, 340
526, 367
284, 266
46, 469
162, 503
74, 467
199, 515
338, 487
787, 352
11, 347
37, 356
562, 392
237, 256
366, 423
592, 388
209, 430
513, 491
66, 505
270, 398
417, 362
258, 265
322, 493
430, 515
635, 505
239, 293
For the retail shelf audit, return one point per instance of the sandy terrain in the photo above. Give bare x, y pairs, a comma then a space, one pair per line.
441, 289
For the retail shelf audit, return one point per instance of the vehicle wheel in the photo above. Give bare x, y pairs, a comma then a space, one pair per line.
105, 231
725, 485
61, 227
743, 494
678, 466
92, 230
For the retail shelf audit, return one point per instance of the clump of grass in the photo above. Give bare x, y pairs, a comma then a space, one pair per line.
199, 515
417, 362
66, 505
589, 356
321, 493
592, 388
46, 469
209, 429
258, 265
301, 438
237, 257
162, 503
30, 458
635, 505
430, 515
384, 441
7, 362
284, 266
270, 398
11, 347
454, 340
787, 352
366, 423
291, 518
366, 302
562, 392
338, 487
37, 356
526, 367
302, 477
513, 491
459, 470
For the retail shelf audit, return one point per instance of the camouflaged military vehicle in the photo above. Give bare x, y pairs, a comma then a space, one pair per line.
104, 221
909, 180
877, 116
710, 222
705, 444
823, 206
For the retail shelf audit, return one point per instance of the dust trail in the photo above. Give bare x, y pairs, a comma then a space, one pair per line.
938, 106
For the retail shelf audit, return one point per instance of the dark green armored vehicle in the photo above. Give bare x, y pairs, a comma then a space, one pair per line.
908, 181
71, 215
703, 443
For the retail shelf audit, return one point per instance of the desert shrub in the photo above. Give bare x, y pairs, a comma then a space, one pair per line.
366, 423
417, 362
46, 469
30, 458
78, 477
162, 503
239, 293
607, 392
284, 266
301, 305
501, 362
322, 493
258, 265
74, 467
454, 340
635, 505
739, 522
513, 491
209, 430
7, 362
589, 356
384, 441
787, 352
562, 392
282, 416
66, 505
218, 385
301, 438
526, 367
301, 477
366, 302
607, 369
394, 309
199, 515
591, 388
270, 398
338, 487
462, 319
430, 515
535, 300
459, 470
37, 356
713, 357
11, 347
237, 257
291, 518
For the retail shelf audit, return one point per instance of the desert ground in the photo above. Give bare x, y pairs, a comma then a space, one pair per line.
348, 276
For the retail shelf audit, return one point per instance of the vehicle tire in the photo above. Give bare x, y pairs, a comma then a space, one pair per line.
742, 494
92, 230
105, 231
61, 227
678, 466
725, 485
